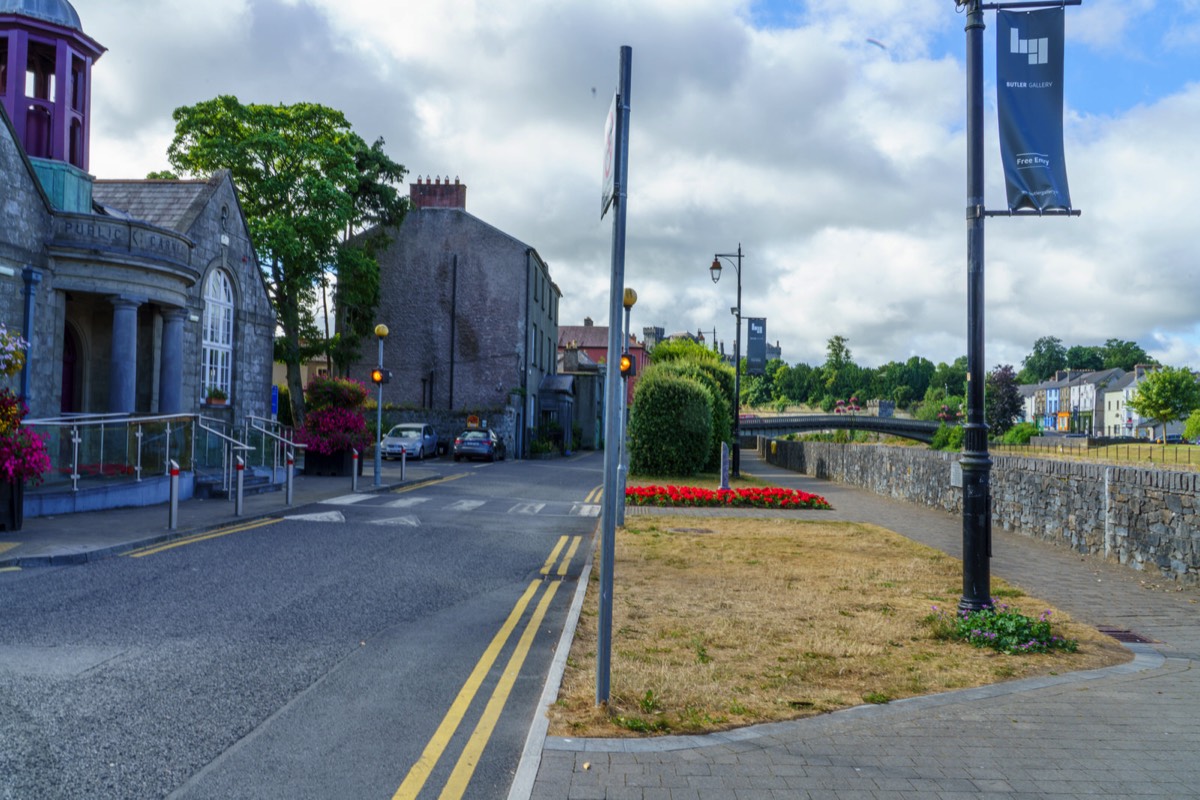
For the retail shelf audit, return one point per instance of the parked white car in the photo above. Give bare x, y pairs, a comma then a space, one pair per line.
418, 439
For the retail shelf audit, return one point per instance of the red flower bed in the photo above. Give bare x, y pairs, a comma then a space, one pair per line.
769, 497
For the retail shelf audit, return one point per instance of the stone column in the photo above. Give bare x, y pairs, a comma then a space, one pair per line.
32, 278
122, 388
170, 372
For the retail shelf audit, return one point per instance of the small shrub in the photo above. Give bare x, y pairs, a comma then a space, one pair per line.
1001, 628
1020, 434
948, 437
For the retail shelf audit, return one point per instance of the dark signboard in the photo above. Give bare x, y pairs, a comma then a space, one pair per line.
756, 346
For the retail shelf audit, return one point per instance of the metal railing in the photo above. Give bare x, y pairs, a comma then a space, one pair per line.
1139, 453
96, 448
214, 440
283, 448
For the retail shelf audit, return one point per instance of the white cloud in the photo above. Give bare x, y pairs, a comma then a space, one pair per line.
839, 166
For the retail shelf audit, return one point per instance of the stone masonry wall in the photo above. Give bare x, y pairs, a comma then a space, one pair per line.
1143, 518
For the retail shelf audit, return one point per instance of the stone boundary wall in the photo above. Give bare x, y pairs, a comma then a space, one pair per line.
1143, 518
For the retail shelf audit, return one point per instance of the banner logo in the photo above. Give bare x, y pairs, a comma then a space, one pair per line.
1038, 49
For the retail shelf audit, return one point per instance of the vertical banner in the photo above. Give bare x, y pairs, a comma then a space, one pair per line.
756, 346
1029, 95
610, 145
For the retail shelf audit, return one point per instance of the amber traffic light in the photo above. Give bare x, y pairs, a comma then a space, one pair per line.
380, 376
628, 365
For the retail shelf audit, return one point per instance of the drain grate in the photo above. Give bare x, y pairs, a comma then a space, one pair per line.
1122, 635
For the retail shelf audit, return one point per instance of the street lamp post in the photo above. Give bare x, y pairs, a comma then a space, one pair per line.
381, 332
715, 272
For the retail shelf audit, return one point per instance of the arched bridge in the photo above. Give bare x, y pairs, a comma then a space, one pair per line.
917, 429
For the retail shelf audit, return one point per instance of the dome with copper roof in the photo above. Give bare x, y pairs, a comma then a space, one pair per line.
56, 12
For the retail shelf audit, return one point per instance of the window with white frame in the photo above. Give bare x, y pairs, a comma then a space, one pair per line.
218, 334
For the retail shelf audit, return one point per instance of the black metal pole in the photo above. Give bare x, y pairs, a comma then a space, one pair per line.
737, 375
976, 464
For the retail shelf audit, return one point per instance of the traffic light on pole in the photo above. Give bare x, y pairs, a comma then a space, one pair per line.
380, 376
628, 365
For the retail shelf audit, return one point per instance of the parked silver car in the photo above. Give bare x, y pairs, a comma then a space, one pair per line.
418, 439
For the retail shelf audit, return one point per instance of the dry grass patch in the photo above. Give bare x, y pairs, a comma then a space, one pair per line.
761, 620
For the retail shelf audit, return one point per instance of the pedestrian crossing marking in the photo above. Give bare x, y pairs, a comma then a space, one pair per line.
584, 510
405, 502
407, 519
345, 500
465, 505
526, 508
325, 516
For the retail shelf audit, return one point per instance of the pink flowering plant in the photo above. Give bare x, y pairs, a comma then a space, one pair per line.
334, 421
999, 627
694, 496
22, 452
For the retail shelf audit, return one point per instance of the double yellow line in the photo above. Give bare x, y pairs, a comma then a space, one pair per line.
200, 537
594, 495
456, 784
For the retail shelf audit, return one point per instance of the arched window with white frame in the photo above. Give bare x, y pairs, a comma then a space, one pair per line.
218, 336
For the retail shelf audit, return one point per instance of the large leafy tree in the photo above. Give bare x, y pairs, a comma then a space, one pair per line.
1124, 355
1002, 399
1048, 357
1166, 395
378, 207
298, 175
1083, 356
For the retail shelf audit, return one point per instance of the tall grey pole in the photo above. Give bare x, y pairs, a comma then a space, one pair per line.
613, 403
976, 463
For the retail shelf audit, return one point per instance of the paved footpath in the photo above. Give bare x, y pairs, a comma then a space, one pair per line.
1131, 731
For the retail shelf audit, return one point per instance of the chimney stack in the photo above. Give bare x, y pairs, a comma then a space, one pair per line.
433, 193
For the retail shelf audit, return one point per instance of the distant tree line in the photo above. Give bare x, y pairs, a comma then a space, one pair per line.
925, 389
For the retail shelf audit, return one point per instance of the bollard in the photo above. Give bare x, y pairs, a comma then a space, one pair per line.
620, 503
403, 461
354, 469
241, 474
725, 467
173, 514
291, 460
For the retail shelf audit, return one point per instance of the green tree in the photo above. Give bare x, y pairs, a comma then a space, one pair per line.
950, 378
297, 175
1048, 357
161, 175
378, 207
1166, 395
1119, 354
1191, 428
1085, 357
682, 350
1002, 404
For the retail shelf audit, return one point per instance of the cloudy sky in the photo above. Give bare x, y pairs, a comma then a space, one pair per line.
838, 164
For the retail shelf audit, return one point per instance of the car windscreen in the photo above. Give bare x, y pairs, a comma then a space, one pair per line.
405, 431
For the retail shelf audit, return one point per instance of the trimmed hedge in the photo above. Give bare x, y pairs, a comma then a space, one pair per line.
706, 374
670, 425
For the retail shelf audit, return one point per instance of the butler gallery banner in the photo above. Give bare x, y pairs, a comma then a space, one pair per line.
1029, 95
